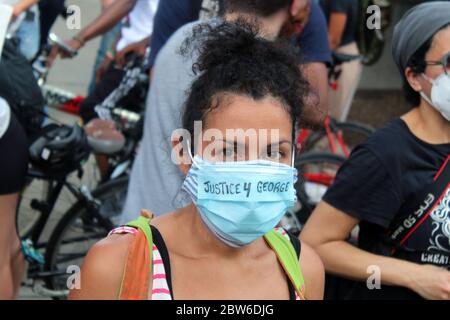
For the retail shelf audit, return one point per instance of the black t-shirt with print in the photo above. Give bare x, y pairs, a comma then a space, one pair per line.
382, 175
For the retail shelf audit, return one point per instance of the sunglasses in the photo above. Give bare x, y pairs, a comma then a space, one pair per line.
445, 63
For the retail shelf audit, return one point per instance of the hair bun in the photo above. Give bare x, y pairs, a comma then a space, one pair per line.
219, 44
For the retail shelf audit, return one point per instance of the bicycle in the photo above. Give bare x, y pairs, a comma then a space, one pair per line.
335, 136
371, 41
317, 171
339, 138
48, 259
129, 123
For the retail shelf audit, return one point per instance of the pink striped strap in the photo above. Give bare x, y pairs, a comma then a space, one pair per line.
124, 230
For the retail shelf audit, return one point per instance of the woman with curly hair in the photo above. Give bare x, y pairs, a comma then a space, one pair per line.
225, 244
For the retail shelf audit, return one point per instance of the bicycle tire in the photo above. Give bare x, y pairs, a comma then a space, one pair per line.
26, 229
371, 43
74, 214
349, 127
304, 206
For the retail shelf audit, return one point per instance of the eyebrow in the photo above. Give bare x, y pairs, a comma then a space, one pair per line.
235, 143
282, 142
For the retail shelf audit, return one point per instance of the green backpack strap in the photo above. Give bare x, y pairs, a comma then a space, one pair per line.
288, 258
143, 223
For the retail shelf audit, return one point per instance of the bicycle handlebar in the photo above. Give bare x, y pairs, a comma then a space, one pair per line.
53, 40
340, 58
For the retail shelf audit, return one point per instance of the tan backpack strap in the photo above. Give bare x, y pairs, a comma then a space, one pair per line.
136, 276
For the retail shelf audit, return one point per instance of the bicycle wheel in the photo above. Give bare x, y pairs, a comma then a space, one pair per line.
354, 133
345, 136
317, 171
27, 212
80, 229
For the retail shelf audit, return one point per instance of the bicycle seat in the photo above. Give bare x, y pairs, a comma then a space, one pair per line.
103, 137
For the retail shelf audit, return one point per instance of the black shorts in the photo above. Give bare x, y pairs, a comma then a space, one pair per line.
13, 158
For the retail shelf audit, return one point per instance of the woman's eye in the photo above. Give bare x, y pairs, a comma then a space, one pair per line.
447, 64
275, 154
227, 152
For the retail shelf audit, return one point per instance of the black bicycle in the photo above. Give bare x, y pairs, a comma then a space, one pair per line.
128, 120
371, 40
92, 215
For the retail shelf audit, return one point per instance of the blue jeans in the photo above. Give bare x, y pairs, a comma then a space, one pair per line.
29, 35
108, 40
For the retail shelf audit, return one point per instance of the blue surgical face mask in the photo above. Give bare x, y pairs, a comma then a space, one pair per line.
240, 202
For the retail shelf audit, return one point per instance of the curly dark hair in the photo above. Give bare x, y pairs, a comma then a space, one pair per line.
232, 58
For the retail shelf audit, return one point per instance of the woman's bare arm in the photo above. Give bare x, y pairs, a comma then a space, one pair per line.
336, 28
102, 270
313, 272
327, 231
22, 6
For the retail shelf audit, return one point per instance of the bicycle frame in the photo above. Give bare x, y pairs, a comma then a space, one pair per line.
333, 134
46, 207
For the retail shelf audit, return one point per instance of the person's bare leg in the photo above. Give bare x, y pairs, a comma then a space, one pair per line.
17, 263
11, 268
103, 164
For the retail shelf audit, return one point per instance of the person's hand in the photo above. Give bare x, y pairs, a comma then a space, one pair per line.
74, 44
56, 50
103, 68
17, 11
431, 282
138, 48
299, 17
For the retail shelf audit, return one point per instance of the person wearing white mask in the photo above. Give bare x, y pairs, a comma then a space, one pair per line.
13, 169
396, 186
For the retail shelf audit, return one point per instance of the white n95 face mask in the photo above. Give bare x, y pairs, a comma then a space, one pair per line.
440, 94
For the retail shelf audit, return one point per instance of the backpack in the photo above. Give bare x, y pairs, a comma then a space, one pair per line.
138, 267
19, 88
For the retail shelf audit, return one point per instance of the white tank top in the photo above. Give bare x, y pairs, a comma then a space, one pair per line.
139, 23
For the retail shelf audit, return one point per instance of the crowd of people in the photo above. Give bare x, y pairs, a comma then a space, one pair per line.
202, 213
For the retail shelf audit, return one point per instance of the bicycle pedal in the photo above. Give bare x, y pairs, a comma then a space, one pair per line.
30, 253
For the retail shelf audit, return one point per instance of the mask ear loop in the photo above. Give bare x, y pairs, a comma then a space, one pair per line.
423, 75
422, 94
293, 142
188, 142
293, 156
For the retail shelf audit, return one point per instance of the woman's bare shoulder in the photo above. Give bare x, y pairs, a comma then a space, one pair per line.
313, 273
102, 269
